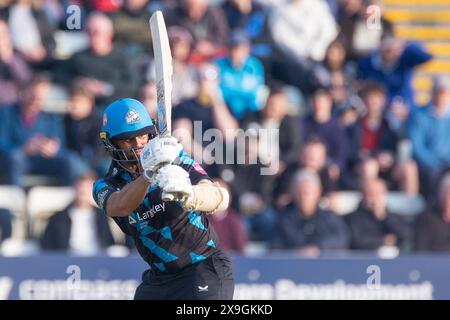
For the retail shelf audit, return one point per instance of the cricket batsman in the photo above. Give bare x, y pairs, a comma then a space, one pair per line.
172, 236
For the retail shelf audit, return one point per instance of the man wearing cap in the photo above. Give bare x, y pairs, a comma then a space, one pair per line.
429, 130
173, 236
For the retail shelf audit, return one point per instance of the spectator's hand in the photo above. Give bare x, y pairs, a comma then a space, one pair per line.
379, 208
210, 88
97, 87
280, 166
283, 200
390, 240
251, 203
334, 172
385, 160
205, 48
6, 52
37, 54
310, 251
399, 109
33, 146
49, 147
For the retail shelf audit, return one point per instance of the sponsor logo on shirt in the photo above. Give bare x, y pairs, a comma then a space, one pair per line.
101, 197
159, 208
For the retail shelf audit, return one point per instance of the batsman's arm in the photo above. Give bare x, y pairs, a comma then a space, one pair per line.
208, 197
122, 203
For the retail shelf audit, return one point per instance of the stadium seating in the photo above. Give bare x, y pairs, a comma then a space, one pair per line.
45, 201
345, 202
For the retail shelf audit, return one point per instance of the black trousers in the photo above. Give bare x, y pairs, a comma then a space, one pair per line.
210, 279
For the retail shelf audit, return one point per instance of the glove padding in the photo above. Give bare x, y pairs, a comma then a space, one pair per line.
175, 183
159, 151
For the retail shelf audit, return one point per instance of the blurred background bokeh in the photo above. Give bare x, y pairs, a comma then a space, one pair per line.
359, 91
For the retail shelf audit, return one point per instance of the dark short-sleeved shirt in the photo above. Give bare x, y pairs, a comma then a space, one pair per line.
167, 237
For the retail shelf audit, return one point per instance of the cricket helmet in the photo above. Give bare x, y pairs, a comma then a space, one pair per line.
125, 119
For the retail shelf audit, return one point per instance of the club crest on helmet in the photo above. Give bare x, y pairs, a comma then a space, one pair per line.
132, 116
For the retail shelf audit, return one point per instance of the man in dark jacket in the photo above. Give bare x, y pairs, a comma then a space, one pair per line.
303, 226
103, 67
81, 228
371, 225
323, 125
81, 124
433, 228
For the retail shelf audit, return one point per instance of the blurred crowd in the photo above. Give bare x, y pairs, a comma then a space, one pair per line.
337, 89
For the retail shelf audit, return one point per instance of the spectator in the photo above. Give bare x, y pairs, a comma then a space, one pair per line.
185, 79
81, 228
207, 24
365, 169
279, 150
81, 125
252, 190
241, 78
341, 74
323, 125
373, 137
393, 65
371, 225
207, 110
303, 226
312, 156
358, 33
429, 129
32, 32
129, 23
350, 112
33, 140
303, 28
128, 36
5, 224
103, 68
433, 227
15, 73
229, 227
302, 31
250, 16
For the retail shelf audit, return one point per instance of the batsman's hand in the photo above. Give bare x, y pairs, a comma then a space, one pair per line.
175, 184
158, 152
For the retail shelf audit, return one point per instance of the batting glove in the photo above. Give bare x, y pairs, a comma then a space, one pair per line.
175, 183
159, 151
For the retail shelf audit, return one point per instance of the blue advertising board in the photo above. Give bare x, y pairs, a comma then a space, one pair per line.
270, 277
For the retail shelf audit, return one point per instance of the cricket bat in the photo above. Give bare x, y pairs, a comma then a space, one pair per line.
163, 67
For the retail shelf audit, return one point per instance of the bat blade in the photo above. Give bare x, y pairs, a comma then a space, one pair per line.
163, 68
